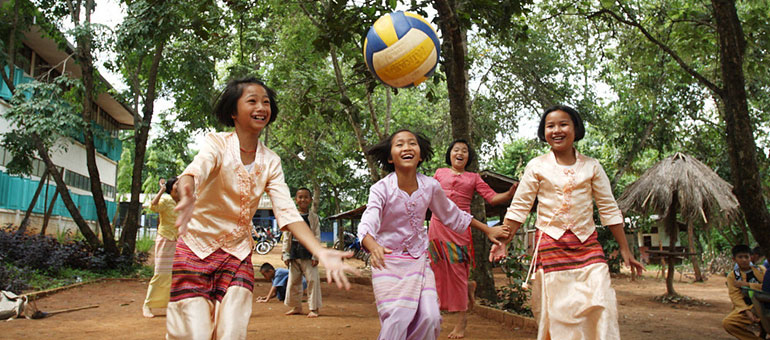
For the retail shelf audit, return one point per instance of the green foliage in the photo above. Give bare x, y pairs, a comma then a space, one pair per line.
144, 244
40, 111
512, 296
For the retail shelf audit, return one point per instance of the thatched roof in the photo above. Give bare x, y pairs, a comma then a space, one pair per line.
701, 193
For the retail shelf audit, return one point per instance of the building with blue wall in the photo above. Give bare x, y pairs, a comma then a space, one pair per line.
41, 55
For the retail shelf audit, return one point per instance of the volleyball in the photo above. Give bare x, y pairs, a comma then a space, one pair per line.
401, 49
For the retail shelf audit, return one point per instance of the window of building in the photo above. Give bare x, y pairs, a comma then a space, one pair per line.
647, 241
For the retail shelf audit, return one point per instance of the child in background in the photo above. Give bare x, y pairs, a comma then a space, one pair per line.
746, 275
302, 264
393, 230
159, 288
213, 278
571, 296
279, 278
451, 254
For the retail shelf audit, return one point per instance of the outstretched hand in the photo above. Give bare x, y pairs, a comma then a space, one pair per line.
335, 268
185, 207
498, 252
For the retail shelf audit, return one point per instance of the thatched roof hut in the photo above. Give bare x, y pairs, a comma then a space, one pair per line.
681, 183
701, 193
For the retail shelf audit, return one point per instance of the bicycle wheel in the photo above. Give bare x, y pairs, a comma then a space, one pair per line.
263, 247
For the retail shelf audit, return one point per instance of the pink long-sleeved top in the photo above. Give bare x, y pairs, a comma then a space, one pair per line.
565, 196
396, 219
228, 196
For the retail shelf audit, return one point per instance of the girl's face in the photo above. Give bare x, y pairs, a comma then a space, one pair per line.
253, 109
459, 156
559, 130
175, 191
405, 150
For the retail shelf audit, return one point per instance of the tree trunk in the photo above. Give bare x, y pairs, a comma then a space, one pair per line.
85, 59
741, 145
25, 220
128, 235
691, 248
673, 230
61, 187
48, 213
353, 117
454, 50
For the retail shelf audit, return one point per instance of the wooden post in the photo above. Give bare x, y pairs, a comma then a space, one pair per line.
48, 213
672, 230
691, 248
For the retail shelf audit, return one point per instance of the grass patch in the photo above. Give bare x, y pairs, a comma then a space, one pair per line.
144, 244
38, 280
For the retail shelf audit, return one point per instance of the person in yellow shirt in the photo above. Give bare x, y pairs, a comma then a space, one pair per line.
159, 287
746, 275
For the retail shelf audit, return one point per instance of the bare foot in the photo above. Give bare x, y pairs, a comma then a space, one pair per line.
293, 311
146, 312
312, 314
459, 331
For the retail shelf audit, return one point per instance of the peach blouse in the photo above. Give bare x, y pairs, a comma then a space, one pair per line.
227, 196
565, 196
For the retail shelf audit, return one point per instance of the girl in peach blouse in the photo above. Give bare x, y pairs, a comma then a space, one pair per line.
571, 293
213, 277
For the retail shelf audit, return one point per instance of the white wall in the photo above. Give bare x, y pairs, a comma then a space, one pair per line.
73, 159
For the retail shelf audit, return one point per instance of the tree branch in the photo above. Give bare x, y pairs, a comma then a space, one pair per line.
702, 79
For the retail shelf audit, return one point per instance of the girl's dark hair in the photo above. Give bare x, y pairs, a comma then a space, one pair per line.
381, 151
471, 153
580, 129
227, 102
170, 184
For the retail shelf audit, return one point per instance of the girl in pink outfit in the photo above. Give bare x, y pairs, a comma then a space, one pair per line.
393, 230
451, 253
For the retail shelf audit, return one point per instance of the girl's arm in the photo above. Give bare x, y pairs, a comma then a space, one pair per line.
186, 187
331, 259
378, 252
620, 236
503, 197
369, 226
495, 234
207, 159
458, 220
156, 199
490, 195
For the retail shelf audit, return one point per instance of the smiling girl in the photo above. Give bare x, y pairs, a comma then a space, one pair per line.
213, 276
451, 253
393, 230
571, 295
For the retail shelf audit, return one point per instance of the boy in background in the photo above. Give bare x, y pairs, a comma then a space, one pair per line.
737, 323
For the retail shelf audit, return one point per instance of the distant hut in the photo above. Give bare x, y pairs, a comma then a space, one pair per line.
681, 183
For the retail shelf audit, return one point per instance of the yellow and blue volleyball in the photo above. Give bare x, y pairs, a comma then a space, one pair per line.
401, 49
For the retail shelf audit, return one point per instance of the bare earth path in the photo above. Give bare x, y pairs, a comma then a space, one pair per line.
352, 314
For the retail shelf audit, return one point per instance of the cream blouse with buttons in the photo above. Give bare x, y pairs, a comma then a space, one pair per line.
228, 196
565, 196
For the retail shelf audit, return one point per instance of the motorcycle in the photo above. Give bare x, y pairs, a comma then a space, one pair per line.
264, 239
350, 242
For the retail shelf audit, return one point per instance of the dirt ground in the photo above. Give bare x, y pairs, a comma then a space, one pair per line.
353, 315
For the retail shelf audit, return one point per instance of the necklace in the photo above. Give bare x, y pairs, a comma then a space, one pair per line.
248, 151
